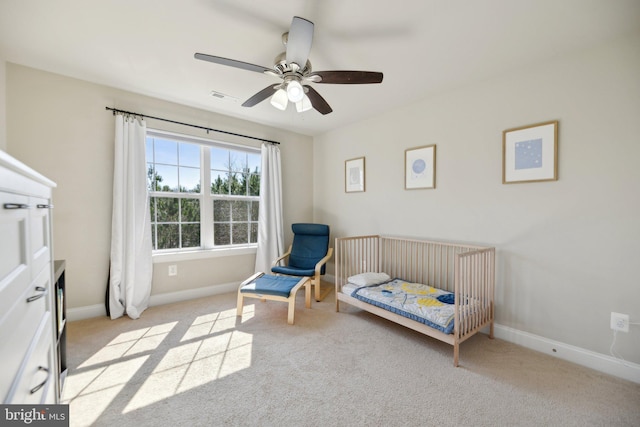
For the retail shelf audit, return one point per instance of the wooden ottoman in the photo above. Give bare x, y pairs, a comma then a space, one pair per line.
275, 288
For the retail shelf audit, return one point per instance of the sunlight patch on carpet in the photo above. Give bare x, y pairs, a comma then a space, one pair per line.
194, 364
129, 344
213, 323
89, 407
98, 388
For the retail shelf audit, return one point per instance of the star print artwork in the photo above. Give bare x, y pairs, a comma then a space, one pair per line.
528, 154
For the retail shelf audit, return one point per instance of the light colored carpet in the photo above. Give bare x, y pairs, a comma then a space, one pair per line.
196, 364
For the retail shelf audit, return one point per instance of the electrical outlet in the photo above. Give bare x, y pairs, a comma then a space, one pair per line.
173, 270
619, 322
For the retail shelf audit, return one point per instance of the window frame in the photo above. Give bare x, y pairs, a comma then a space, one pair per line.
207, 248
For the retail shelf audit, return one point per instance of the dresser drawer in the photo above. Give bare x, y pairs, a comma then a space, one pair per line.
39, 234
19, 324
15, 274
36, 372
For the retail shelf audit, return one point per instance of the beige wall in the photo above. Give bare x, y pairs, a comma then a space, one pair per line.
567, 250
59, 127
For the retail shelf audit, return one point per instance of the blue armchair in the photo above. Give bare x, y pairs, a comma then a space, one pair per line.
307, 255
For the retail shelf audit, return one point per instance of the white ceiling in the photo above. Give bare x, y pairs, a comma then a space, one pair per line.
423, 47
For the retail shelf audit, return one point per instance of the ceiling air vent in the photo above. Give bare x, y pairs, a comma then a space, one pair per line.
223, 96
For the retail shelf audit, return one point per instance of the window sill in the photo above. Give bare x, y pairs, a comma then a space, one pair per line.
162, 257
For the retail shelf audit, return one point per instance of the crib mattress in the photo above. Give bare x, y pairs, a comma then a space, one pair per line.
422, 303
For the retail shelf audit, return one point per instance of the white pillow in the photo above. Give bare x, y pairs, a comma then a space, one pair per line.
369, 278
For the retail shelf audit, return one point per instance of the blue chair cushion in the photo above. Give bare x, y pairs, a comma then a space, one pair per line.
271, 285
310, 229
310, 243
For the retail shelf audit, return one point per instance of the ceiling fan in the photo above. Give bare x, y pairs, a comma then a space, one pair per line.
294, 68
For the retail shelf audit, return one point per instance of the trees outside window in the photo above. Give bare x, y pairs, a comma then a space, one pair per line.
201, 196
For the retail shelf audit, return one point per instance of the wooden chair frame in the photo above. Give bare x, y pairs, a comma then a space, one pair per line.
315, 279
291, 299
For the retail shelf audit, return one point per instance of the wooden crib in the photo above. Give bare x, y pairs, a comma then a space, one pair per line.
466, 270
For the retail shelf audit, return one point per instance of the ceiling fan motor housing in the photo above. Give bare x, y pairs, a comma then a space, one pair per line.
282, 67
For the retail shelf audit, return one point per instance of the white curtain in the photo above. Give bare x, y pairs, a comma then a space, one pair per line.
131, 264
270, 233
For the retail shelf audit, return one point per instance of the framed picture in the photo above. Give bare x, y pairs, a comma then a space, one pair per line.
530, 153
420, 167
354, 175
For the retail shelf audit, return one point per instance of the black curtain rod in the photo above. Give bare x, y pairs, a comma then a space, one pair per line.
188, 124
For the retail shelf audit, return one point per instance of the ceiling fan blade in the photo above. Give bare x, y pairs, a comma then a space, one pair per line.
260, 96
299, 41
346, 77
318, 101
232, 63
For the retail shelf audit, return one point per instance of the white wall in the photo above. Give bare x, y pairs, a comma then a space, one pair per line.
3, 104
59, 126
567, 250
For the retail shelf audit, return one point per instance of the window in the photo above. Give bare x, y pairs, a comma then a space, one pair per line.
202, 194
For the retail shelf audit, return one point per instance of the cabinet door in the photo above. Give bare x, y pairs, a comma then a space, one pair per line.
39, 230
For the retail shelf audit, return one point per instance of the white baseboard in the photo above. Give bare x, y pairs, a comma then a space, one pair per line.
170, 297
99, 310
86, 312
600, 362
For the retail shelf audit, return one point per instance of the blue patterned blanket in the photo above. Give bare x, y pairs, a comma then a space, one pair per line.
422, 303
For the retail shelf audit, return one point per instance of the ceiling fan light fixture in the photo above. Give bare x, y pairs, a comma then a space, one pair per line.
279, 99
304, 105
295, 91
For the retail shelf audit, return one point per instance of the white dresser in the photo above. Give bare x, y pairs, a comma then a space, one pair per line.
27, 324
